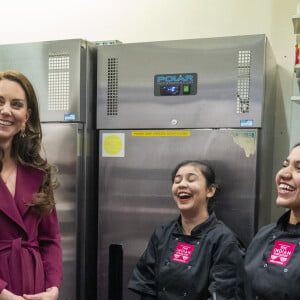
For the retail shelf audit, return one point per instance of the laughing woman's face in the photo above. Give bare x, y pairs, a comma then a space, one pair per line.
190, 190
288, 181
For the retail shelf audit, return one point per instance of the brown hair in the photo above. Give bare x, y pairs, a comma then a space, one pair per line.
26, 149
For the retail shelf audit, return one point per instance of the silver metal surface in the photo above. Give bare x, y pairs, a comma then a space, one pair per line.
135, 190
56, 70
126, 83
66, 153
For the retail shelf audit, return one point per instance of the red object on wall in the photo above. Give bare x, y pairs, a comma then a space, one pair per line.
297, 53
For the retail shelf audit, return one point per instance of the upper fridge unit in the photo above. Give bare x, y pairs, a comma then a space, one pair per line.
197, 83
59, 71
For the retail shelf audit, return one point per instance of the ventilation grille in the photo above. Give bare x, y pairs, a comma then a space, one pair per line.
58, 82
243, 81
112, 86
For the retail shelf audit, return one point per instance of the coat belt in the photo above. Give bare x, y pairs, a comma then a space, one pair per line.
16, 264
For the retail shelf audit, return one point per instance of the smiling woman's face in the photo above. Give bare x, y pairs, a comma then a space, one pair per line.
13, 109
190, 190
288, 181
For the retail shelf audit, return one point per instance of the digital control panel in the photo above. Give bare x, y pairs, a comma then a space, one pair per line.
181, 84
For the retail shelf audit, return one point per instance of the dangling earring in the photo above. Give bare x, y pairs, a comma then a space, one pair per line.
22, 131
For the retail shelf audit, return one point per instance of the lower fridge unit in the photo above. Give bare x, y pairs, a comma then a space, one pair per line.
135, 191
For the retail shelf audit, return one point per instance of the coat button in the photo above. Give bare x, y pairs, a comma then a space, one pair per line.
265, 265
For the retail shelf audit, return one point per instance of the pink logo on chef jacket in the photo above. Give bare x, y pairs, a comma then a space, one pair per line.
183, 253
281, 253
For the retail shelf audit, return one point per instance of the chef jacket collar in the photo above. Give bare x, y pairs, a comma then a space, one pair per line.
283, 223
200, 228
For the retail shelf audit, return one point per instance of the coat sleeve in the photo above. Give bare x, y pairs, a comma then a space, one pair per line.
142, 280
226, 270
50, 249
3, 285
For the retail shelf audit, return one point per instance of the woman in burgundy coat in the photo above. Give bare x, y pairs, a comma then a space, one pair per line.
30, 251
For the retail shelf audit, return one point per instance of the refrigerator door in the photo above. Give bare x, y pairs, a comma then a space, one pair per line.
62, 143
135, 191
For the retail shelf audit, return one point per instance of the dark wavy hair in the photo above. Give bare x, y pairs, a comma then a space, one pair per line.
27, 149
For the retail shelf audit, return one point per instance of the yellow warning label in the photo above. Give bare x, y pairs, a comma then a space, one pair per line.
162, 133
113, 144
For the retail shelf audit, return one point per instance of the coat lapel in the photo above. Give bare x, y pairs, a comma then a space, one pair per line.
28, 182
8, 205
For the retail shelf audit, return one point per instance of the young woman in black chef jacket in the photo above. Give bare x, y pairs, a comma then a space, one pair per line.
195, 256
272, 262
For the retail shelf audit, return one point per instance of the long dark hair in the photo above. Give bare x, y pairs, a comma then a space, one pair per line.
26, 147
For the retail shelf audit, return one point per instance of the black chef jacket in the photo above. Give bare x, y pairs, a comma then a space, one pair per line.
202, 266
272, 262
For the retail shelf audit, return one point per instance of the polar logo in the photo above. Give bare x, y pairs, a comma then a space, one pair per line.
175, 78
176, 84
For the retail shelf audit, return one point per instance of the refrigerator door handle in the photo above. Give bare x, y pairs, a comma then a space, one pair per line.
115, 273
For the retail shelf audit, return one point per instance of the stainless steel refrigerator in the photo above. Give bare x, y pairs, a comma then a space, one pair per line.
159, 103
63, 74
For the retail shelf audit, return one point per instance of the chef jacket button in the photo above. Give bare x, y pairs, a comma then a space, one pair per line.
176, 239
199, 243
274, 236
256, 297
265, 265
299, 243
184, 294
285, 270
189, 267
164, 289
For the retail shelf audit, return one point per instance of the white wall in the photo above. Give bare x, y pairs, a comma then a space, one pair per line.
152, 20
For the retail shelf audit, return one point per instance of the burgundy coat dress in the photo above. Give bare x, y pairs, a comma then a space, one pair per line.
30, 251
